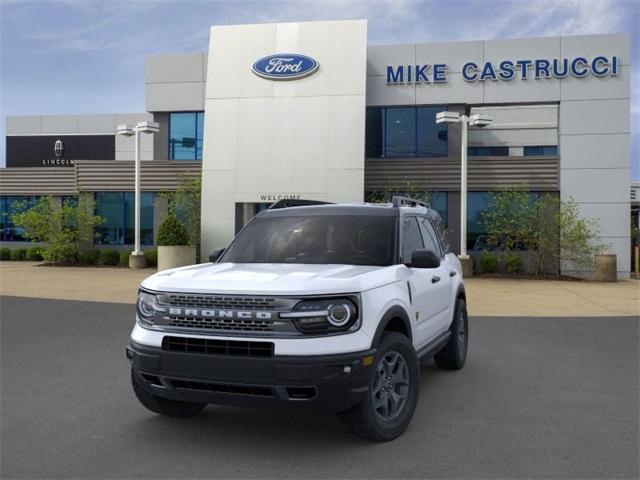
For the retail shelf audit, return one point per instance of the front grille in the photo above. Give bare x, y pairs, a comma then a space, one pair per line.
208, 346
222, 302
253, 390
224, 324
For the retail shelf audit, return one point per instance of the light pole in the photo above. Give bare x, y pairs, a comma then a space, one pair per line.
136, 259
477, 120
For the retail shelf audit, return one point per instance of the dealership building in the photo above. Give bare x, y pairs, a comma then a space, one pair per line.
309, 110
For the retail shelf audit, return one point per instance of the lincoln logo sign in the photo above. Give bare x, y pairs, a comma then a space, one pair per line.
285, 66
506, 70
58, 148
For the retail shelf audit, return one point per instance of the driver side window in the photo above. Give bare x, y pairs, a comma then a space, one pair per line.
411, 238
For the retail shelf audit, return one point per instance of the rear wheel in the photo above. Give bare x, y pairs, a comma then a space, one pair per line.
164, 406
454, 354
393, 392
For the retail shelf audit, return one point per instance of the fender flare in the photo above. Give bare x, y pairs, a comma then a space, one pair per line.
394, 312
461, 293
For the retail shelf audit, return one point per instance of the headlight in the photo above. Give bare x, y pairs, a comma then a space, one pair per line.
147, 306
330, 315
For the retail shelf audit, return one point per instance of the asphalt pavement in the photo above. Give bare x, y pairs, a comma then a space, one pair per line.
538, 398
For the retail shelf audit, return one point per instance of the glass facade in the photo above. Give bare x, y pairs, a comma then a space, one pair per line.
117, 209
405, 132
10, 232
185, 135
488, 151
541, 151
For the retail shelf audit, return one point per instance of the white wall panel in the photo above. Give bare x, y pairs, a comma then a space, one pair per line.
301, 136
595, 151
594, 116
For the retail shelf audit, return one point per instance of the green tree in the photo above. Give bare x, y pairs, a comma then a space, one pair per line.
185, 203
61, 227
508, 219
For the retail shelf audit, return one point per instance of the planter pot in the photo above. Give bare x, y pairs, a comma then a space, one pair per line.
606, 268
176, 256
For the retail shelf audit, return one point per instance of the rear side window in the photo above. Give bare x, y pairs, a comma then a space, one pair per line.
411, 238
430, 237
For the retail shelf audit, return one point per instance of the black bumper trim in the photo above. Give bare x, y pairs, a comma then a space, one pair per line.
316, 384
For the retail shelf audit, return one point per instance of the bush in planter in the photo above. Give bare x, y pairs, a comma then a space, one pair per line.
151, 256
90, 257
34, 254
60, 254
513, 263
109, 257
18, 254
172, 232
489, 263
5, 253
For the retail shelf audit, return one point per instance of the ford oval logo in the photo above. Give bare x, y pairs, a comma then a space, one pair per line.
285, 66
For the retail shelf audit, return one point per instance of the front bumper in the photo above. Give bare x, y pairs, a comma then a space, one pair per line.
315, 384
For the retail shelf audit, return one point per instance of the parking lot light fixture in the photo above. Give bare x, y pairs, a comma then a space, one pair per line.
477, 120
136, 259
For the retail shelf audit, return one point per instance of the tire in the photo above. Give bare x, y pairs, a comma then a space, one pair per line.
454, 354
397, 371
164, 406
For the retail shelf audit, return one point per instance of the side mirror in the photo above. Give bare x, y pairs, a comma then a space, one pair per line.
216, 254
424, 259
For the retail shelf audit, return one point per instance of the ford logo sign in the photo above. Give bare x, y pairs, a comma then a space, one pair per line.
285, 66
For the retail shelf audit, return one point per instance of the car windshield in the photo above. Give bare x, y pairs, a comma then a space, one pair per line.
318, 239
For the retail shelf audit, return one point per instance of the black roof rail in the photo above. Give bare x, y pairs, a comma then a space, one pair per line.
399, 201
293, 202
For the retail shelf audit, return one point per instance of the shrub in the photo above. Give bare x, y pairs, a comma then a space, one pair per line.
513, 263
61, 227
172, 232
5, 253
61, 254
90, 257
109, 257
124, 258
152, 258
489, 263
34, 254
18, 254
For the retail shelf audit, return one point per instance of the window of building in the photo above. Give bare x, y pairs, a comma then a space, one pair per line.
185, 135
438, 201
117, 209
405, 132
541, 151
9, 231
488, 151
411, 238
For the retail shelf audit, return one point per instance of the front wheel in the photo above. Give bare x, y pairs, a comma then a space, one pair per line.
393, 392
164, 406
454, 354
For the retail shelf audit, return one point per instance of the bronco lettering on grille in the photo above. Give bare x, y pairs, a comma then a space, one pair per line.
208, 313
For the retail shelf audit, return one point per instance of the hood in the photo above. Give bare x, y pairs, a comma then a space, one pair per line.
271, 278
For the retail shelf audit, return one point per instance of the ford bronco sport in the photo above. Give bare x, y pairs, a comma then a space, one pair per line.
313, 307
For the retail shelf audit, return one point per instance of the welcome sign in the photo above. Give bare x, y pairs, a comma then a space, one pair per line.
507, 70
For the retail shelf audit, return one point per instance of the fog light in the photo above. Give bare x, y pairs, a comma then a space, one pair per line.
368, 360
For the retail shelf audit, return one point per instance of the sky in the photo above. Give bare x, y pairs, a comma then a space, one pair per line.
87, 56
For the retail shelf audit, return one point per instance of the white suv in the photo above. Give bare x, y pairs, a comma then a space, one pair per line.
312, 308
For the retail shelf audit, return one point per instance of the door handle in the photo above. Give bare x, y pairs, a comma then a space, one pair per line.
435, 279
452, 273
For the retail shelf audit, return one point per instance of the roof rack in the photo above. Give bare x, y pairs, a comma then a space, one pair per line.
399, 201
299, 202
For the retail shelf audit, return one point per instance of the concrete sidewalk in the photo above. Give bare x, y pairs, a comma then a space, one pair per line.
486, 297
